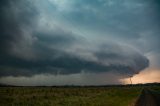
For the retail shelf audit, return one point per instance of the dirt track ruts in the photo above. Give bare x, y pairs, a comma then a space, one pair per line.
148, 98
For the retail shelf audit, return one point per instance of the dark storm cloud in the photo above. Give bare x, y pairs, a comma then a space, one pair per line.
27, 51
14, 15
135, 22
58, 62
123, 19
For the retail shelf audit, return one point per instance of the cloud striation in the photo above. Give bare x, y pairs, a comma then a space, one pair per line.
30, 47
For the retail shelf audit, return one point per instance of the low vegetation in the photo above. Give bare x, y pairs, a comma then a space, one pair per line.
69, 96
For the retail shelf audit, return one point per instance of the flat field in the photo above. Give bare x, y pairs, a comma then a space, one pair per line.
70, 96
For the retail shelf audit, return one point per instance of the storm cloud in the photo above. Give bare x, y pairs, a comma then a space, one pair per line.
72, 37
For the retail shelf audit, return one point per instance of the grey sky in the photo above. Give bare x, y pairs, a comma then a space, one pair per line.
73, 37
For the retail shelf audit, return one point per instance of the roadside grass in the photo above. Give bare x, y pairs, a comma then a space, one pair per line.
69, 96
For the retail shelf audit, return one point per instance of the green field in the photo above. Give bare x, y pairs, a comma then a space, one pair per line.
69, 96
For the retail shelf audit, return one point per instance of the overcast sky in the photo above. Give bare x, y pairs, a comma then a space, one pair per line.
81, 42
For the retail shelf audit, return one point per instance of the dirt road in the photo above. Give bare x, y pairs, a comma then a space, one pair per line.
148, 98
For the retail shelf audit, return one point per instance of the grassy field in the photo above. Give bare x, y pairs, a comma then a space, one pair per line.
69, 96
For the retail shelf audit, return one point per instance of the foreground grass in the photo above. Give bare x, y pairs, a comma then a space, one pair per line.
82, 96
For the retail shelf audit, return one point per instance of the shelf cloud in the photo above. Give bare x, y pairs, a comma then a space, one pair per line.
56, 38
